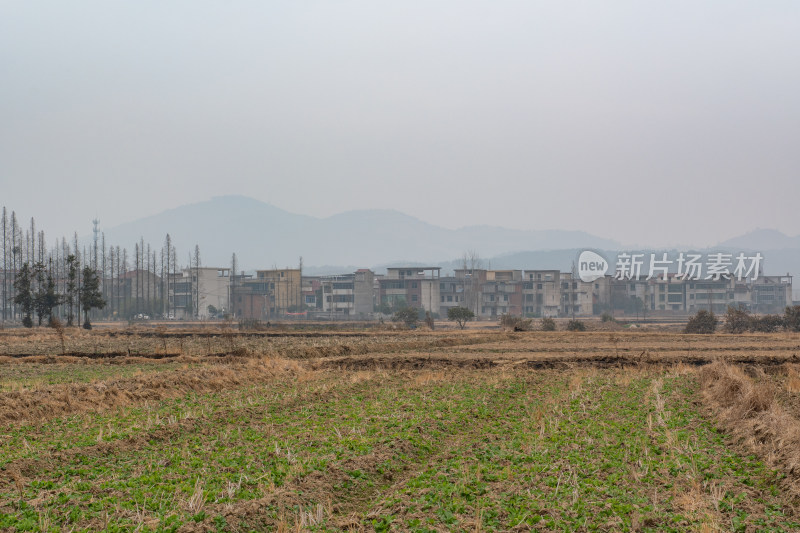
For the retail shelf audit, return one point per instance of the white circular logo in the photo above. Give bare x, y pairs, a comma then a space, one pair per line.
591, 266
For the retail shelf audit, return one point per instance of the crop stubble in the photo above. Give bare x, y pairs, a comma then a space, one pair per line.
406, 431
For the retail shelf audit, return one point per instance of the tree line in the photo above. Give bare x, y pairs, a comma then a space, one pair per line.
43, 282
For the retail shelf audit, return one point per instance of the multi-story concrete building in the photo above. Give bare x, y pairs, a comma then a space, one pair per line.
411, 286
472, 280
672, 295
541, 290
193, 290
135, 292
275, 294
666, 294
348, 295
581, 298
270, 294
451, 294
771, 294
312, 292
501, 293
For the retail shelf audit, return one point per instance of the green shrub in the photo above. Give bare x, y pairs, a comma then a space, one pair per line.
409, 316
548, 324
516, 323
460, 315
576, 325
737, 319
607, 317
767, 323
791, 318
701, 322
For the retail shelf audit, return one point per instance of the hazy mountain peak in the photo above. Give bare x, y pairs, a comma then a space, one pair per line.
263, 235
762, 239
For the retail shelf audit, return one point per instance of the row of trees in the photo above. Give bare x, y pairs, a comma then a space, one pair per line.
35, 293
740, 320
50, 281
411, 315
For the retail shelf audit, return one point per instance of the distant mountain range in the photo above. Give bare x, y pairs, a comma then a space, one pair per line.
762, 240
265, 236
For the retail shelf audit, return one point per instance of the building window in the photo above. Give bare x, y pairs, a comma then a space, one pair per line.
414, 285
413, 297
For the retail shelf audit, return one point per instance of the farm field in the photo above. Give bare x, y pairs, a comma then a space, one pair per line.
218, 430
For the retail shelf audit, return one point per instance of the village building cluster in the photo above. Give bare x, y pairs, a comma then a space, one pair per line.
279, 294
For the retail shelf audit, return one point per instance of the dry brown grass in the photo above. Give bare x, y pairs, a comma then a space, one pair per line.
792, 383
750, 411
57, 400
428, 377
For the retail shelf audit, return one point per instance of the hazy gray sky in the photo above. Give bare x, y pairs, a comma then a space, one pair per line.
647, 122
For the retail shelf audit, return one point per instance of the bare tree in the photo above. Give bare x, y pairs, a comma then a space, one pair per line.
79, 257
65, 252
31, 240
5, 262
146, 264
15, 252
174, 261
234, 266
166, 260
197, 281
41, 247
471, 263
124, 271
136, 253
141, 275
103, 284
119, 282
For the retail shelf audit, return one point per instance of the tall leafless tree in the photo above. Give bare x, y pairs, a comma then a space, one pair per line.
196, 281
231, 296
5, 263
